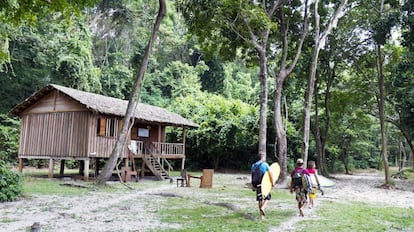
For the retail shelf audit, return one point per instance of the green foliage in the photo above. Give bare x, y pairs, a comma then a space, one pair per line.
11, 184
53, 52
408, 24
9, 138
222, 27
100, 48
177, 79
14, 13
228, 130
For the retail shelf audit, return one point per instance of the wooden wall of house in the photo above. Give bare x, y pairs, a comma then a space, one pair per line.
54, 134
55, 102
153, 133
55, 126
101, 142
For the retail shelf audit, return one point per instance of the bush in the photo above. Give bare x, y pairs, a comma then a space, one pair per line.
9, 138
338, 167
11, 184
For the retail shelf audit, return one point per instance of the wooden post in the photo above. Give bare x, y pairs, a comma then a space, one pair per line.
81, 167
62, 167
96, 166
86, 170
182, 163
51, 163
20, 165
143, 166
183, 160
159, 141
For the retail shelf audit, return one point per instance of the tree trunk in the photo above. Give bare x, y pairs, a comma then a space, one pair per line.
319, 39
263, 102
321, 134
346, 161
280, 130
308, 104
110, 165
284, 72
317, 132
381, 106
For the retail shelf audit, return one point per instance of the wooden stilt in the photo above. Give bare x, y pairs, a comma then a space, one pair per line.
62, 167
182, 163
81, 167
86, 170
51, 163
143, 168
96, 171
20, 165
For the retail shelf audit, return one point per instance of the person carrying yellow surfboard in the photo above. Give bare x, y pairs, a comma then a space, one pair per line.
259, 168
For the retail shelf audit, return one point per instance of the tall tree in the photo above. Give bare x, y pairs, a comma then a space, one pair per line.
285, 68
224, 26
319, 42
132, 103
381, 31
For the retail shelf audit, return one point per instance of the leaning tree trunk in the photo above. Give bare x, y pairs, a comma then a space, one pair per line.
110, 165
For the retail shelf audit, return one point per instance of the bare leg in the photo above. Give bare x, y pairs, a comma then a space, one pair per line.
261, 206
301, 206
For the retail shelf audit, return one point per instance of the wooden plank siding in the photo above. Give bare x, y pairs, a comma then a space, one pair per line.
57, 135
101, 144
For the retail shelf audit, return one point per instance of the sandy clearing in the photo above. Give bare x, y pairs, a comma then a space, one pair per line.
136, 210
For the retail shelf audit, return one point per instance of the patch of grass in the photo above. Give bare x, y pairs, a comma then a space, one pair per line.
223, 209
359, 217
7, 220
40, 186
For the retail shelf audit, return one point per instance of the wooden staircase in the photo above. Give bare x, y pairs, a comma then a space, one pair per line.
154, 165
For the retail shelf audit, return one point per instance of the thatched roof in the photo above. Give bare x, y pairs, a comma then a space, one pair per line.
108, 105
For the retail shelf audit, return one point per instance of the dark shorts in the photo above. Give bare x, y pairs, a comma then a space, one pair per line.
301, 195
259, 196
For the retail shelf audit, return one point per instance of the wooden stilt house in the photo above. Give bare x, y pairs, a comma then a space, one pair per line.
60, 123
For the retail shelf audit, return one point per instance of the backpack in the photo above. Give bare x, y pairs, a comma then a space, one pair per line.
256, 175
297, 179
301, 180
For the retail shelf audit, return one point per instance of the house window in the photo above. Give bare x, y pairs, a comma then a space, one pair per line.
109, 127
143, 132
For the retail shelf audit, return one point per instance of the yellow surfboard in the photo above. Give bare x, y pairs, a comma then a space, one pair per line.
266, 183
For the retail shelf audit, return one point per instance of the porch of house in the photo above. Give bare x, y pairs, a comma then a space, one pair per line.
155, 156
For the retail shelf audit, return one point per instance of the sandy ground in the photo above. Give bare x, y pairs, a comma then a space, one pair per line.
136, 210
359, 187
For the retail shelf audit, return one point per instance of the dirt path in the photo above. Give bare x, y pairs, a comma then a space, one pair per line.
359, 187
121, 211
95, 211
